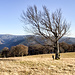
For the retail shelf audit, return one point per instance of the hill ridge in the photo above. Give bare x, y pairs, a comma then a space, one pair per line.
8, 40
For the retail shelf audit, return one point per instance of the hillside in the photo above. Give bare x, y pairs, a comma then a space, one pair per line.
38, 65
12, 40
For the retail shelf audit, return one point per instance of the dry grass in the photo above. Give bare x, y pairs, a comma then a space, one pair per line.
38, 65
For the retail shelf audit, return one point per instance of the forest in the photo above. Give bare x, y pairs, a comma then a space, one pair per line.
22, 50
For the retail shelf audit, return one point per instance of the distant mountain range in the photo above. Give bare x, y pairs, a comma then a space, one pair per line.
12, 40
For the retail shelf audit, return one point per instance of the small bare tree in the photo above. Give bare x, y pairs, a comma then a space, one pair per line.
50, 26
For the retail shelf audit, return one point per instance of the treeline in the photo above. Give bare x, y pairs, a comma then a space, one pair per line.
64, 47
46, 49
21, 50
14, 51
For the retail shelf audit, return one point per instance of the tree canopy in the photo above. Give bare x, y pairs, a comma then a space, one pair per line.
51, 26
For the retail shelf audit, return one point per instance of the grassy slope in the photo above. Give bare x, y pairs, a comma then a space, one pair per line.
38, 65
63, 55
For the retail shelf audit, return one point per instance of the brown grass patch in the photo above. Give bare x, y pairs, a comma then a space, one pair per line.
38, 65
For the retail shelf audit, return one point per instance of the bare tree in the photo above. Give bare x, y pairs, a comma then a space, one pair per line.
50, 26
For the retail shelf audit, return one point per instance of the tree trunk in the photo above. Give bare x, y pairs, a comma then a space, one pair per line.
22, 54
57, 54
14, 54
4, 56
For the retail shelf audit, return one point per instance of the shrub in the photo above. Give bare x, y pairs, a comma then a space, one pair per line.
73, 47
64, 47
39, 49
4, 52
19, 50
12, 51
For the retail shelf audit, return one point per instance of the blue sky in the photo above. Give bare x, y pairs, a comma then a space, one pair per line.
11, 10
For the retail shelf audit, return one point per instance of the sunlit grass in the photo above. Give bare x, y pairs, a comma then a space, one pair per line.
38, 65
68, 55
63, 55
